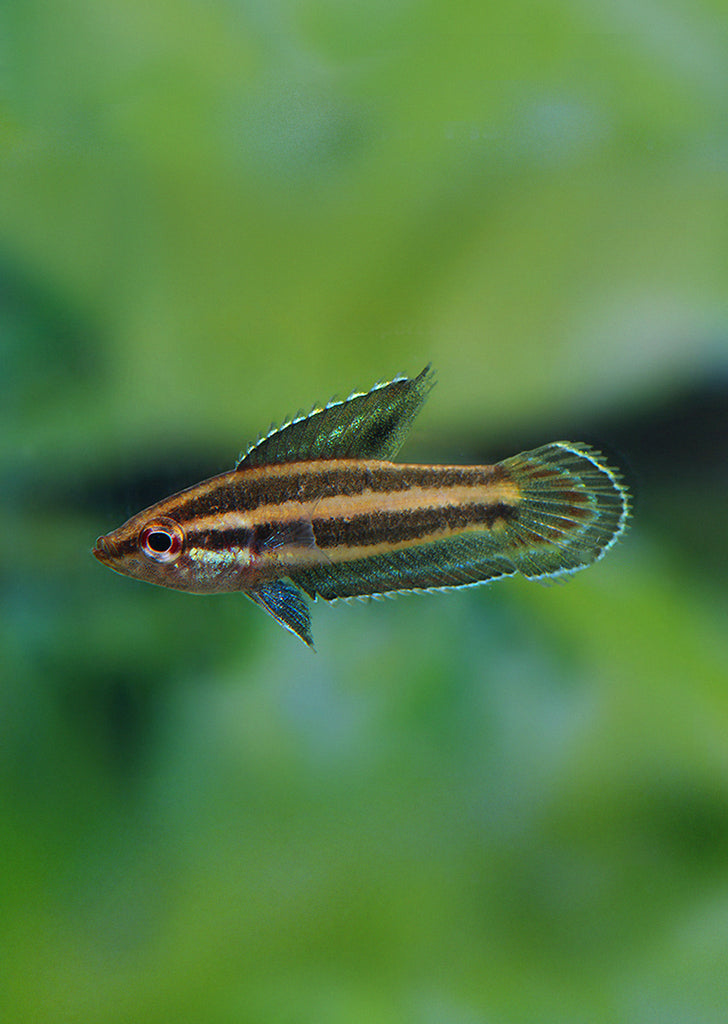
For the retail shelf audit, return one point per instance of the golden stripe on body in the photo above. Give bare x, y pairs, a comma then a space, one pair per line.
313, 479
368, 502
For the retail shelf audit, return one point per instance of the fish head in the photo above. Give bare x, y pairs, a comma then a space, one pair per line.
155, 548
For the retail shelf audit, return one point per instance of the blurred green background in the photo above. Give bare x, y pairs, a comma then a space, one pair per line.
506, 804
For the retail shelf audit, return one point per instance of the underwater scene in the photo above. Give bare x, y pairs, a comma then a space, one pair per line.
505, 802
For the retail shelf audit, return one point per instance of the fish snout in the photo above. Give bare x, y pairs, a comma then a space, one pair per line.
105, 549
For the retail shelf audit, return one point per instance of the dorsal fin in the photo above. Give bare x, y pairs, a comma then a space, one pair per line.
366, 426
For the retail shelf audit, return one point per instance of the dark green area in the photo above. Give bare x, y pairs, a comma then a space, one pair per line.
504, 804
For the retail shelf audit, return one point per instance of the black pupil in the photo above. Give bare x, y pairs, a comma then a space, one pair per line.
159, 542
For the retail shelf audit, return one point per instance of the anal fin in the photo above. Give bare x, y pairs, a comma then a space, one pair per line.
285, 602
460, 561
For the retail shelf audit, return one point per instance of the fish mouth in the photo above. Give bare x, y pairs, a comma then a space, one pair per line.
105, 549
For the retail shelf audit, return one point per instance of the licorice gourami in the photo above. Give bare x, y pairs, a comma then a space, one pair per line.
317, 506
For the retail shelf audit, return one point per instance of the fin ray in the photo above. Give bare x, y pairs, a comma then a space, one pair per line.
573, 508
296, 534
365, 426
285, 602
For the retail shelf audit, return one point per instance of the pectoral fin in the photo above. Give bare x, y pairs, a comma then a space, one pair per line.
285, 602
296, 534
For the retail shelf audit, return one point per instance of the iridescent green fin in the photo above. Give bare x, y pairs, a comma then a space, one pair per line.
573, 507
456, 562
368, 426
285, 602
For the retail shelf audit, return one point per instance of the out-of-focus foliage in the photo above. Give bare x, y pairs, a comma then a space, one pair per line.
502, 804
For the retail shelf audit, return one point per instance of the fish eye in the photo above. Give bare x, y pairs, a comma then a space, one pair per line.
162, 540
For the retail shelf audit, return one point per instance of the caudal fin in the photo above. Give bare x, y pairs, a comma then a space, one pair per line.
573, 507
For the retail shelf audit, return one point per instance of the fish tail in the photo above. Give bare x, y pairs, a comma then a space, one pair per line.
572, 508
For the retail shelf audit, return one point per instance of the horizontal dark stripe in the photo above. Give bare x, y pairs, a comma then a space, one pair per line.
258, 538
361, 531
245, 491
396, 527
222, 540
223, 494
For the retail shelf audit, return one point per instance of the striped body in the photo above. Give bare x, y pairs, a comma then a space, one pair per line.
356, 509
352, 526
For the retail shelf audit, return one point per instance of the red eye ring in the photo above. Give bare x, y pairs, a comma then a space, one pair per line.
162, 540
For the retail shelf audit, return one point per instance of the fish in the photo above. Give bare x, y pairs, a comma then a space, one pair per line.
317, 509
